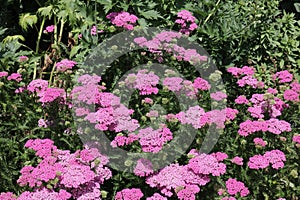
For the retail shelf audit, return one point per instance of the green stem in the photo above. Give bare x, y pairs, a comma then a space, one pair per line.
40, 35
61, 29
55, 31
213, 11
34, 71
51, 75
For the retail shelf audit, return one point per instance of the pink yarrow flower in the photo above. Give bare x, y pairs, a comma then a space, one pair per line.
129, 194
3, 74
23, 58
65, 64
49, 29
15, 76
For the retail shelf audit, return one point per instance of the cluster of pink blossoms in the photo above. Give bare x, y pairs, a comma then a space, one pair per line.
274, 157
78, 175
197, 117
23, 58
110, 113
3, 74
123, 19
259, 142
246, 76
166, 40
144, 81
218, 96
65, 64
185, 180
37, 85
186, 21
292, 94
132, 194
15, 77
234, 187
149, 139
237, 160
190, 89
49, 29
45, 94
143, 168
94, 31
296, 138
260, 105
273, 125
283, 76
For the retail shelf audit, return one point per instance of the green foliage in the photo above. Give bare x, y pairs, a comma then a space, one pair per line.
27, 20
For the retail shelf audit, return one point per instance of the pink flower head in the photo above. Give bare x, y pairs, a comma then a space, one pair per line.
3, 74
37, 85
65, 64
94, 30
173, 83
201, 84
49, 29
283, 76
233, 187
23, 58
272, 91
15, 76
186, 21
260, 142
237, 160
50, 94
123, 19
218, 96
291, 95
129, 194
42, 123
156, 196
143, 168
296, 138
148, 100
7, 196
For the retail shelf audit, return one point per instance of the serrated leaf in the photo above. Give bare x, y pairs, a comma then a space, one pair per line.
27, 20
2, 30
13, 38
107, 4
151, 14
46, 11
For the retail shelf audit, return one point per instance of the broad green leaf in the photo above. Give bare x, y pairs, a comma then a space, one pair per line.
27, 20
297, 6
74, 51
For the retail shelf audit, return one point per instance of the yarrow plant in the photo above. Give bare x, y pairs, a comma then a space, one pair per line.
255, 155
76, 175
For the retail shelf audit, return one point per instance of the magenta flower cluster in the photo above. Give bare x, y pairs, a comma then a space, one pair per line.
186, 21
75, 175
166, 40
65, 64
123, 19
185, 180
274, 157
